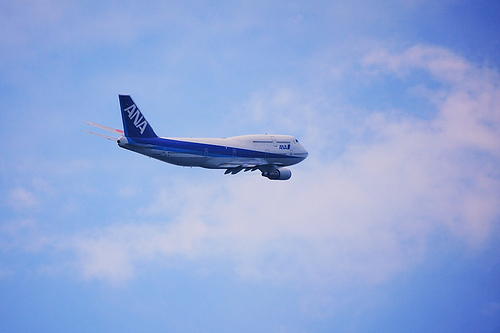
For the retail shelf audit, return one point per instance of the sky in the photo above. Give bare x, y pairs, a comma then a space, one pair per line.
390, 225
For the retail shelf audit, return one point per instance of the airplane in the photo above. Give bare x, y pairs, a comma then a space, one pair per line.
270, 154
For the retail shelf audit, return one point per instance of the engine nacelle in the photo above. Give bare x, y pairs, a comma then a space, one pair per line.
278, 174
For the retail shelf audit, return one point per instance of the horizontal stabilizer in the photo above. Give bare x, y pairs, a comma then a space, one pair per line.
103, 136
106, 128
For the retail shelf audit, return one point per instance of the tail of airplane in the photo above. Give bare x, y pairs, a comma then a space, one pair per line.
134, 123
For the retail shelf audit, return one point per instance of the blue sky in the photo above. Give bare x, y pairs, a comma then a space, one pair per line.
390, 225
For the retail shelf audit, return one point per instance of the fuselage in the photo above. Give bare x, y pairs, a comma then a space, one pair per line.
270, 154
220, 153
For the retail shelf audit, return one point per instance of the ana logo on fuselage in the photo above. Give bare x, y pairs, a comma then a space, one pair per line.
285, 147
135, 115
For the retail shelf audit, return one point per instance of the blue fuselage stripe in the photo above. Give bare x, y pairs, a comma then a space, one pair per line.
205, 149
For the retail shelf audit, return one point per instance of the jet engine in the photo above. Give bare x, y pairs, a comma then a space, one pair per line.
278, 174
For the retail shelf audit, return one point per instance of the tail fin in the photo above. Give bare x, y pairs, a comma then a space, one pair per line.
134, 123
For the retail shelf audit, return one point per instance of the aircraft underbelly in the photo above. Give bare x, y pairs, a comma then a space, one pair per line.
205, 161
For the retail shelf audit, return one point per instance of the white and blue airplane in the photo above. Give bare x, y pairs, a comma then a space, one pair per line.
270, 154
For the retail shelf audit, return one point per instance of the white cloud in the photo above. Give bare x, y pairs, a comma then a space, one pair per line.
111, 254
21, 198
363, 217
438, 61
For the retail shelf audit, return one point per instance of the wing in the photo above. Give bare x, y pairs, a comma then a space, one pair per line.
106, 128
247, 165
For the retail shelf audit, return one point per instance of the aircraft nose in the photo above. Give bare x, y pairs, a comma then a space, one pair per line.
303, 152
